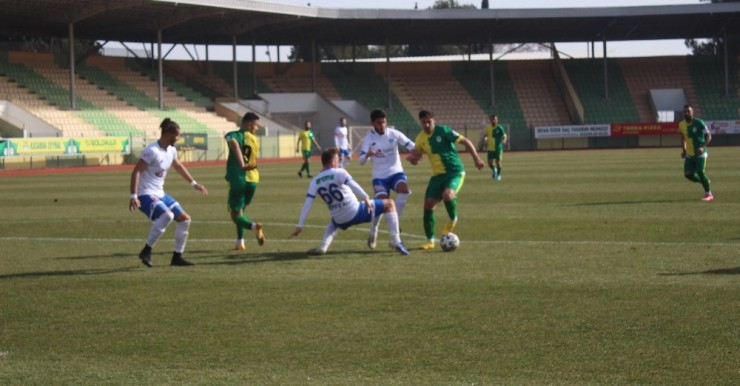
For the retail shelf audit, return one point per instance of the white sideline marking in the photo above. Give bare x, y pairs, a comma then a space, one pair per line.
482, 242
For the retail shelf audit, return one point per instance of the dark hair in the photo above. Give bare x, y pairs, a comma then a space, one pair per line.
426, 114
493, 116
328, 154
169, 126
250, 116
377, 113
686, 107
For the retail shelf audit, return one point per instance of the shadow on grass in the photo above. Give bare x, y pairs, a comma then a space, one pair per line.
203, 258
255, 258
118, 255
628, 202
721, 271
75, 272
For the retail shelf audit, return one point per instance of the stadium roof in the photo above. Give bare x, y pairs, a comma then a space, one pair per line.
219, 21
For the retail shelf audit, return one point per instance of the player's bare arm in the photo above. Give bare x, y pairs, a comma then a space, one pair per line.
473, 152
134, 203
414, 156
183, 171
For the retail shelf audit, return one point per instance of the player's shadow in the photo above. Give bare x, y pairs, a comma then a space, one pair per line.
627, 202
116, 255
206, 257
71, 272
266, 257
720, 271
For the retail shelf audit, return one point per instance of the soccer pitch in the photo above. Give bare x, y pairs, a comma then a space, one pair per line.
580, 267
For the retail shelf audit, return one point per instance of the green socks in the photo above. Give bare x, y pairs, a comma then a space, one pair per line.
242, 224
429, 224
451, 207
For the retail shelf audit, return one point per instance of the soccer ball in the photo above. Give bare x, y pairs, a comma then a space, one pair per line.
449, 242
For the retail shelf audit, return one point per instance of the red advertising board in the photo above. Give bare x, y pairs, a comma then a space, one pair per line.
654, 128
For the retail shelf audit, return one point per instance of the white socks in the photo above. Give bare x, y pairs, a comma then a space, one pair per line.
181, 235
375, 223
401, 199
391, 219
329, 233
158, 227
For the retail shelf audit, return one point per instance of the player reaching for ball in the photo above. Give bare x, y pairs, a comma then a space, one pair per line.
448, 173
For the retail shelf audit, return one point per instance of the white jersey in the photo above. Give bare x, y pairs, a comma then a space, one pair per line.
337, 189
386, 161
341, 140
151, 181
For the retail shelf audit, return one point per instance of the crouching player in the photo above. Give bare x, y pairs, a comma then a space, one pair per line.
337, 188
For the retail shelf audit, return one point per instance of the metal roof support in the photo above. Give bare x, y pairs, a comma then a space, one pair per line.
72, 88
354, 58
190, 54
490, 70
727, 65
234, 70
606, 72
388, 74
313, 65
160, 70
254, 67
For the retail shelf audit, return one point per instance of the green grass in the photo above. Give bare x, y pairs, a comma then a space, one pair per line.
584, 267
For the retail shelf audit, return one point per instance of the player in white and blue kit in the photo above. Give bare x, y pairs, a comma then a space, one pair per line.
341, 141
148, 195
338, 190
380, 145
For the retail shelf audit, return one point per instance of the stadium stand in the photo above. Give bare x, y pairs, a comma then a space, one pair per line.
101, 114
643, 74
361, 82
245, 86
140, 90
537, 91
707, 75
39, 96
432, 86
175, 86
475, 78
587, 76
296, 78
118, 96
198, 77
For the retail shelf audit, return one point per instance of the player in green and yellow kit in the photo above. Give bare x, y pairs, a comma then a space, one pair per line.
305, 138
448, 173
496, 138
695, 138
243, 177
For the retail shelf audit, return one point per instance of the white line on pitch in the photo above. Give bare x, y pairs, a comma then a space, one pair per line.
482, 242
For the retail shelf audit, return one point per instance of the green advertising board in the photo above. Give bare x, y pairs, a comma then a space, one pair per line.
192, 141
64, 146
